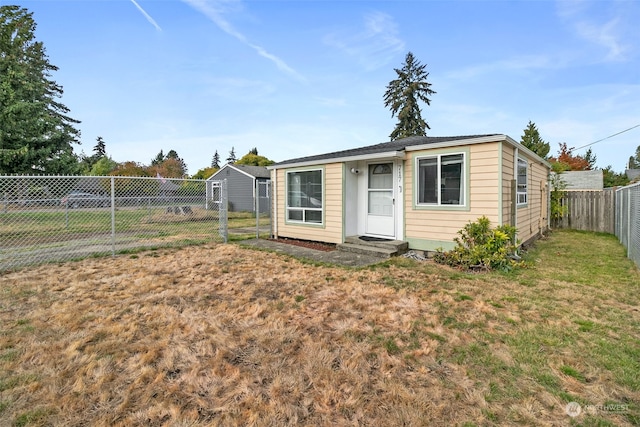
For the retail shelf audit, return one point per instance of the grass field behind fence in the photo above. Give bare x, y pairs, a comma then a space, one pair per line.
29, 237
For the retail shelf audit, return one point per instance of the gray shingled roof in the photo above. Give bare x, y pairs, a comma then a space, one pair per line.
397, 145
255, 171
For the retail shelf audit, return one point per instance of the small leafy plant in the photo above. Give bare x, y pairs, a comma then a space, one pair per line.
480, 247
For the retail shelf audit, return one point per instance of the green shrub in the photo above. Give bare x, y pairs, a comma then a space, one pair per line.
481, 247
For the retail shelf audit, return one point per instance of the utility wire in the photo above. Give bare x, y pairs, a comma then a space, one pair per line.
610, 136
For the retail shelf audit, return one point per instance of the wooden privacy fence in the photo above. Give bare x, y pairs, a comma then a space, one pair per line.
588, 210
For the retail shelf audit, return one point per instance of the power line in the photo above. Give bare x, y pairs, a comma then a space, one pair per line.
610, 136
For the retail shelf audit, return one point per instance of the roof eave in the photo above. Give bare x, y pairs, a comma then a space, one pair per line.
373, 156
457, 142
521, 147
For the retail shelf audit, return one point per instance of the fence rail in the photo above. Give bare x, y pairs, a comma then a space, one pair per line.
46, 219
627, 214
588, 210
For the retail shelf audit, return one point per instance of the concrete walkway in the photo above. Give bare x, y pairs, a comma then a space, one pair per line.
333, 257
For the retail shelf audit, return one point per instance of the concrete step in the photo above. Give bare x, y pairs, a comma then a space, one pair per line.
368, 250
400, 245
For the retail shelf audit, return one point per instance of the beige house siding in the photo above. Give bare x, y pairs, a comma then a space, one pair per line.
507, 177
532, 219
331, 230
430, 228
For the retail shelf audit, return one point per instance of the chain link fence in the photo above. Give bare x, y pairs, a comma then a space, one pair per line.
49, 219
627, 224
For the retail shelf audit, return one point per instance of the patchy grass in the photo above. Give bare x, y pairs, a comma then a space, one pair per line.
225, 335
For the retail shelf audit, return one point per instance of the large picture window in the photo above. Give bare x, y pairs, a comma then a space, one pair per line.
441, 180
522, 182
304, 196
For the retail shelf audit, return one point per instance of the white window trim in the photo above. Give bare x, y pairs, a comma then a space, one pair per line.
288, 208
463, 180
524, 193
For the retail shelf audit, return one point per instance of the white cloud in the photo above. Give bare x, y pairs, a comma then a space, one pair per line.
374, 46
215, 9
601, 23
605, 36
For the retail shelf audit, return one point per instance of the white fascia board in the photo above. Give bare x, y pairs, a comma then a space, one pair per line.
374, 156
458, 142
524, 149
229, 165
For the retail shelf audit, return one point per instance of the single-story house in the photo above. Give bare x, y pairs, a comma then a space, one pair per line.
241, 186
583, 180
421, 190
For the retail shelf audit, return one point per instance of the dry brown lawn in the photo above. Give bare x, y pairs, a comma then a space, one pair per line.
223, 335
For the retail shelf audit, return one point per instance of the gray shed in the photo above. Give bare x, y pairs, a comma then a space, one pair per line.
632, 174
583, 180
241, 186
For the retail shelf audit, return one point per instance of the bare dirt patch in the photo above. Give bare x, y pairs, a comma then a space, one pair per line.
325, 247
221, 335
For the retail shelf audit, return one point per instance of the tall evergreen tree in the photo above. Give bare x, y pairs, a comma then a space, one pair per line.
215, 161
402, 97
159, 158
634, 161
590, 158
232, 156
36, 134
532, 140
100, 148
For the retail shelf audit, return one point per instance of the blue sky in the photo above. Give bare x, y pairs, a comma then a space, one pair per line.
302, 77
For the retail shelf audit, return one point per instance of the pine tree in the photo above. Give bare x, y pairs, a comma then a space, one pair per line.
634, 161
215, 161
159, 158
402, 96
531, 139
590, 158
100, 148
36, 134
232, 156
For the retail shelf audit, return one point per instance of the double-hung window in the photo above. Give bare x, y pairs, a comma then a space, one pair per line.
304, 196
441, 180
521, 192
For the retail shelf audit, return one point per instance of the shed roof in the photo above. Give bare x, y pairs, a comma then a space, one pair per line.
253, 171
632, 173
583, 180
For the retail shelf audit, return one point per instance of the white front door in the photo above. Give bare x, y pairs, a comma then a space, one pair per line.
380, 200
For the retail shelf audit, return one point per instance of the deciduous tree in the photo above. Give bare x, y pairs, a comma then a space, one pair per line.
254, 160
403, 95
205, 173
567, 161
611, 178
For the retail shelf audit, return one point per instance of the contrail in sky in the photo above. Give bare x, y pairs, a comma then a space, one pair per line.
208, 8
146, 15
